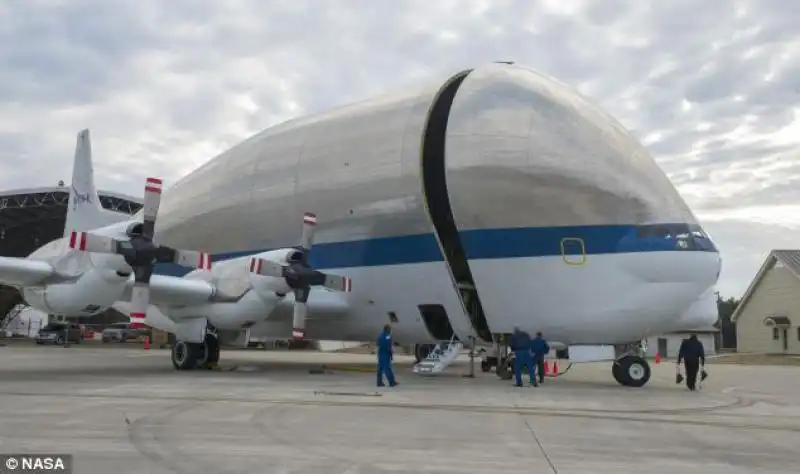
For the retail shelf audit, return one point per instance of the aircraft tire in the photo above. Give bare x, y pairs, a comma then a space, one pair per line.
211, 349
184, 355
631, 371
616, 371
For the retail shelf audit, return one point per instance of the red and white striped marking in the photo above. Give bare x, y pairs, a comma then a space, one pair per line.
138, 320
153, 185
255, 265
309, 218
77, 240
204, 261
348, 285
298, 333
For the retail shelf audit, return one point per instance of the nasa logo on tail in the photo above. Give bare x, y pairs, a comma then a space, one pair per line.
79, 197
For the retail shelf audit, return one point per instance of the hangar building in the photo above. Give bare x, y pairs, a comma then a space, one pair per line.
30, 218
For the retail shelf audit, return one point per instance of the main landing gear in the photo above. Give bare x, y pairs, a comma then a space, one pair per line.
631, 369
191, 355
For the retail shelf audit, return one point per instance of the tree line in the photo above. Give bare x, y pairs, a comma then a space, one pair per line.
727, 330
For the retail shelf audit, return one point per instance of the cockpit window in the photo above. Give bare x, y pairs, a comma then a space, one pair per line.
675, 236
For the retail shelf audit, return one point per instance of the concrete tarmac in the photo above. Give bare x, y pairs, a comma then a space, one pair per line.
125, 410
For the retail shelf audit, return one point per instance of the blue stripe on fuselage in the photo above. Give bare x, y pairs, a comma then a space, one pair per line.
490, 244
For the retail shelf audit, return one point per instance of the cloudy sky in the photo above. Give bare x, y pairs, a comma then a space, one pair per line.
712, 87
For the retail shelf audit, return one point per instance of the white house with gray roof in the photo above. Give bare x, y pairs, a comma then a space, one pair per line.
768, 317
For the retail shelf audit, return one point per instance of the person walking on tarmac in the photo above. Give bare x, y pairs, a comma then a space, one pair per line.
385, 357
694, 356
520, 343
539, 349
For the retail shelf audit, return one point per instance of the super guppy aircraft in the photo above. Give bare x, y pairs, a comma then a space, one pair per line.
493, 198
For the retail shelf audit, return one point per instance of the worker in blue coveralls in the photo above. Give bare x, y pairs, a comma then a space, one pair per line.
385, 357
520, 343
539, 349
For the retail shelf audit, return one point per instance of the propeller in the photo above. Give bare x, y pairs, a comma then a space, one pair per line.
299, 275
140, 252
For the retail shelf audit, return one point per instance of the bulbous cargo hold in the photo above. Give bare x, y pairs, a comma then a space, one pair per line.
468, 178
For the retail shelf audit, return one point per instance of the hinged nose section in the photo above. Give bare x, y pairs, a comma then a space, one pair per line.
438, 204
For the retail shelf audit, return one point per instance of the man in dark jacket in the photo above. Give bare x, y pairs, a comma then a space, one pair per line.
694, 356
520, 343
385, 357
540, 349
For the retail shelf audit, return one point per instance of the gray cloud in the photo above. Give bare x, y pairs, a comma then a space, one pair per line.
744, 247
165, 86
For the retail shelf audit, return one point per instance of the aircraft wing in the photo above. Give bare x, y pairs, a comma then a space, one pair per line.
176, 291
23, 271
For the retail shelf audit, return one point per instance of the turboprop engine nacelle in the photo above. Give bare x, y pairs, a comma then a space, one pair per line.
93, 292
99, 279
297, 275
242, 296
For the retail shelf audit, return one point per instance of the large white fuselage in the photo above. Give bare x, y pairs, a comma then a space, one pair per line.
498, 179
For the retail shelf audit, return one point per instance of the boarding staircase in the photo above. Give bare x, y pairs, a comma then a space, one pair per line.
10, 317
11, 304
440, 357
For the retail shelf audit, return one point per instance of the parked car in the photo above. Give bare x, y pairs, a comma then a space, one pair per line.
87, 332
122, 332
58, 332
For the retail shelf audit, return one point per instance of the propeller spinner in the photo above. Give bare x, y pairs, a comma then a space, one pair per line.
140, 252
300, 277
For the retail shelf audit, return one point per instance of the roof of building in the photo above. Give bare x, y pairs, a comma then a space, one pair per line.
789, 258
700, 330
65, 189
30, 218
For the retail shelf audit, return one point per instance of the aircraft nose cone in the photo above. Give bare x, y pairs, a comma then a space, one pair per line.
696, 267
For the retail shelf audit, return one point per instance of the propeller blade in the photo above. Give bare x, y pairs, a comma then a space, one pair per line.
191, 258
300, 313
262, 267
87, 242
152, 201
140, 300
338, 283
309, 223
141, 275
299, 320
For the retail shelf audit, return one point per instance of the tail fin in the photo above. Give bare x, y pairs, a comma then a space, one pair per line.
84, 211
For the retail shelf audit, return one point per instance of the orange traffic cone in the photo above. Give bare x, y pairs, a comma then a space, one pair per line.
546, 368
147, 342
658, 357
